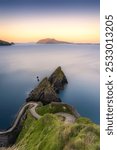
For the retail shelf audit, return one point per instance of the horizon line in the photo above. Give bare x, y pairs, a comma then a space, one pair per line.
58, 43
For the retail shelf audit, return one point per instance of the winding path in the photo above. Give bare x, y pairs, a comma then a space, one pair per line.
32, 110
31, 106
9, 134
68, 117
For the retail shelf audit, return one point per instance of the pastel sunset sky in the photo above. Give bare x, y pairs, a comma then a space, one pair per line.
32, 20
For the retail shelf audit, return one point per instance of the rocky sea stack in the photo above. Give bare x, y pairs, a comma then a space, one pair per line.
58, 80
47, 89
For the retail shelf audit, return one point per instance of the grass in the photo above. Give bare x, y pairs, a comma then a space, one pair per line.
26, 126
50, 133
54, 108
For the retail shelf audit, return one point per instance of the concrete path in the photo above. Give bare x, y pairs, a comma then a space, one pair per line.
32, 110
31, 106
68, 117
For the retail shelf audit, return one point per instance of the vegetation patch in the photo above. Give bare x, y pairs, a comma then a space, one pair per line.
50, 133
54, 108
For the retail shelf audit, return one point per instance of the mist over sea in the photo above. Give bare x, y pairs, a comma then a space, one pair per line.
21, 63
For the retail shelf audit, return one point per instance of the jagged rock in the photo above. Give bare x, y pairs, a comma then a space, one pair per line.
47, 90
58, 79
44, 92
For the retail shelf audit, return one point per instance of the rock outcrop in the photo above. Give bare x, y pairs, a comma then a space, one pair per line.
4, 43
44, 92
58, 79
51, 41
47, 89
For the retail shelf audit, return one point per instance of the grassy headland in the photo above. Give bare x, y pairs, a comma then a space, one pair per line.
50, 133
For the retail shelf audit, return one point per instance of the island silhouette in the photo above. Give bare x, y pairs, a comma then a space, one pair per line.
52, 41
5, 43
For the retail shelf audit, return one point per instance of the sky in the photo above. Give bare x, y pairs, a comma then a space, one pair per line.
67, 20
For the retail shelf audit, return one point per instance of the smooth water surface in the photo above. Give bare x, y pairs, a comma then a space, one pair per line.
21, 63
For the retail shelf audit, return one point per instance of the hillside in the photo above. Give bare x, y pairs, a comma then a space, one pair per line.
51, 41
5, 43
51, 132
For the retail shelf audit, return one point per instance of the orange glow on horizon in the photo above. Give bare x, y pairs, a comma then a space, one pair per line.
71, 29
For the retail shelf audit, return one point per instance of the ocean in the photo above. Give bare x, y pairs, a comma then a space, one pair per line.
20, 64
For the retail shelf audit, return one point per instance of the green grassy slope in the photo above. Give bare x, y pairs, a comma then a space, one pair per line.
50, 133
54, 108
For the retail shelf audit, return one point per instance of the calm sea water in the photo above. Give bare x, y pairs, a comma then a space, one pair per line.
21, 63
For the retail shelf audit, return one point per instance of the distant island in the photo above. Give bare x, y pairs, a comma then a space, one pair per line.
5, 43
52, 41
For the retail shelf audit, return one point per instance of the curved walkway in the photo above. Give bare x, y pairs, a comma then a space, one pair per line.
4, 135
32, 106
32, 110
68, 117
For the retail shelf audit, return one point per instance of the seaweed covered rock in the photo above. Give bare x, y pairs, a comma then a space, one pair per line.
44, 92
58, 79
